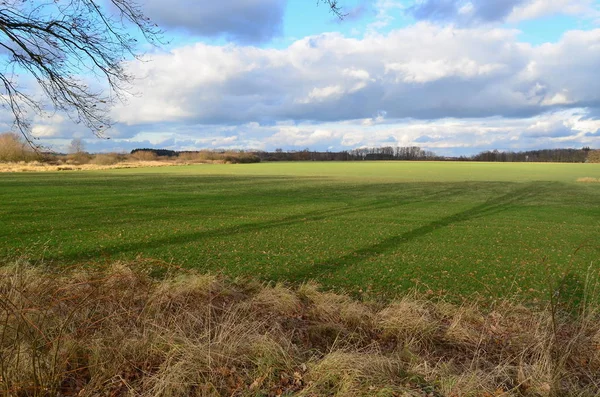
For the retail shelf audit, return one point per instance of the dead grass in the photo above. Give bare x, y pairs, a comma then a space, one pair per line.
42, 167
588, 180
119, 331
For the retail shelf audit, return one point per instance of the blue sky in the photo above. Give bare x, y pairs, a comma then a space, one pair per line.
452, 76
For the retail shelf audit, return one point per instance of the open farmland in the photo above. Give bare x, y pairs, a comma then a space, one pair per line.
368, 227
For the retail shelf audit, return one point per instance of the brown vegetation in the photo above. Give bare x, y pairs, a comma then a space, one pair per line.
209, 156
108, 159
588, 180
119, 331
593, 156
18, 157
13, 148
37, 166
144, 156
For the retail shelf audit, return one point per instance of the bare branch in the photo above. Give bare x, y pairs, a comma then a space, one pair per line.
334, 7
60, 43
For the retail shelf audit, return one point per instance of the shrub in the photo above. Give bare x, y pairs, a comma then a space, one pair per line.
78, 158
106, 159
241, 158
195, 156
144, 155
13, 149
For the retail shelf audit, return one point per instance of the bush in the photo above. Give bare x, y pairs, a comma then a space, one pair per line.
144, 155
78, 158
199, 157
13, 149
241, 158
106, 159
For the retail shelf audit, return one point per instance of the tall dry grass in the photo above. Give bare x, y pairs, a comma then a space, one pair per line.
46, 167
119, 331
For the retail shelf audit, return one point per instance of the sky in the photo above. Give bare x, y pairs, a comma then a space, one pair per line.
456, 77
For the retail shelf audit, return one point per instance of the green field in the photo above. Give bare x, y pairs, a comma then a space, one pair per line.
377, 227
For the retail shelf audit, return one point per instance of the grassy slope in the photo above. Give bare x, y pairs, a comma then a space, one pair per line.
370, 227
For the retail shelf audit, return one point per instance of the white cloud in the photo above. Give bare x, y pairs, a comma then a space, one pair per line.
422, 71
559, 98
324, 93
541, 8
563, 128
474, 12
431, 70
359, 74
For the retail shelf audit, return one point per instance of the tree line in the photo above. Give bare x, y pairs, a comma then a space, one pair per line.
542, 156
390, 153
374, 153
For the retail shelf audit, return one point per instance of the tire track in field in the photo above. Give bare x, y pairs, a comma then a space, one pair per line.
185, 238
489, 207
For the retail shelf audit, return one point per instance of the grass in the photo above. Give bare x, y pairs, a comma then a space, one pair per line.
117, 331
370, 229
100, 162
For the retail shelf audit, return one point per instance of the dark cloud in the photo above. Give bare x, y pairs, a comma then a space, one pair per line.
243, 21
463, 11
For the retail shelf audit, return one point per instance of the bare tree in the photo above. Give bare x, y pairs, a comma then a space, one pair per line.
63, 45
77, 146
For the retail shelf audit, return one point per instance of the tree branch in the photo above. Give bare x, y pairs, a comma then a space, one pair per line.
60, 42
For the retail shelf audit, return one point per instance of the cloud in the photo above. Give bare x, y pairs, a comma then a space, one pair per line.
243, 21
448, 136
469, 12
533, 9
423, 71
463, 11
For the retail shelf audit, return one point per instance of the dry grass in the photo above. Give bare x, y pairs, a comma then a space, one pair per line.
41, 167
217, 157
588, 180
119, 331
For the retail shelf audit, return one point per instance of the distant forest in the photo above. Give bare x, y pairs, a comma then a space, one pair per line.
412, 153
